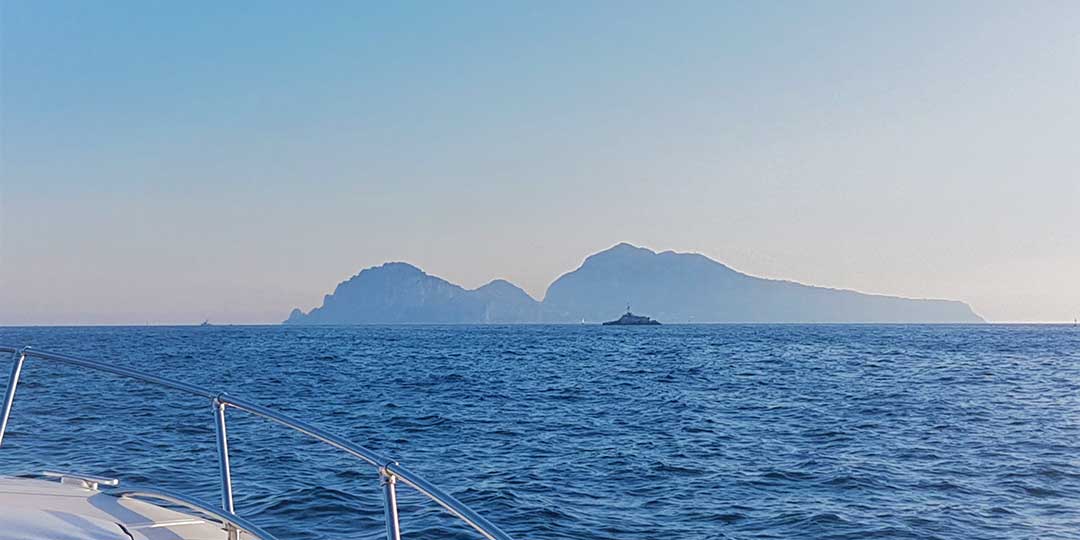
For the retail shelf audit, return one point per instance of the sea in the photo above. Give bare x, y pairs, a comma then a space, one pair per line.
587, 432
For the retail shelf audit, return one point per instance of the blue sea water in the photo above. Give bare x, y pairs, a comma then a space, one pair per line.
588, 432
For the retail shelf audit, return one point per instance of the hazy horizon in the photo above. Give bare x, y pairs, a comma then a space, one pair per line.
174, 162
536, 296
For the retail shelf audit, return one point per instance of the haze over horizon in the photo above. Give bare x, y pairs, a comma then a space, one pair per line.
174, 162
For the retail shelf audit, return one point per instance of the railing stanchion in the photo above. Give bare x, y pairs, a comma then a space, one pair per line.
18, 358
223, 456
390, 471
389, 485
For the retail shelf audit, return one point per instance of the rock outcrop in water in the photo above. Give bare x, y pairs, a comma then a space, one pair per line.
397, 293
674, 287
688, 287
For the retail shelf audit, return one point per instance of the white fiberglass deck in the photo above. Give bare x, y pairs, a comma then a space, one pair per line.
62, 509
49, 509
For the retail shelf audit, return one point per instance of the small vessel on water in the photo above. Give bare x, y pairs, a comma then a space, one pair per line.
75, 506
629, 319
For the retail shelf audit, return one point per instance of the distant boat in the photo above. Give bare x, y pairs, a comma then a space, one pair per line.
629, 319
206, 323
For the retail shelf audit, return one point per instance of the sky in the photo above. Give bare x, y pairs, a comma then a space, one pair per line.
169, 162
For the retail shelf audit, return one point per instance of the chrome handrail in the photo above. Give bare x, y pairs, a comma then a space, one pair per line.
88, 480
390, 472
231, 521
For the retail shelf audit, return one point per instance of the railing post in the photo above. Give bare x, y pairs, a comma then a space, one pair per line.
223, 464
389, 485
223, 455
390, 472
9, 396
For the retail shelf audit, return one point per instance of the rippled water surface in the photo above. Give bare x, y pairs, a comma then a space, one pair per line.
587, 432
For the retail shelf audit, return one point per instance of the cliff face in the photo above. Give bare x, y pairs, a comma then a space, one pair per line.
402, 293
505, 302
684, 287
670, 287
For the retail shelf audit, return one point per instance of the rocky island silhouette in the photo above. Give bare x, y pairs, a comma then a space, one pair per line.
668, 285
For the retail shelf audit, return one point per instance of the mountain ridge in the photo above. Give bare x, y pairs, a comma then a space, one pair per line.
668, 285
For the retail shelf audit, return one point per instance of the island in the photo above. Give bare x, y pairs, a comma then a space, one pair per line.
685, 287
629, 319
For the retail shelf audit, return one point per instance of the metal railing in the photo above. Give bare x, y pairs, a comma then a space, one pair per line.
233, 523
390, 472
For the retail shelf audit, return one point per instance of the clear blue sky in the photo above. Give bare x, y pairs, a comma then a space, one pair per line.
174, 161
